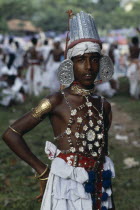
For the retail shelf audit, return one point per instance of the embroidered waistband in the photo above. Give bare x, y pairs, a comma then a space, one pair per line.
78, 160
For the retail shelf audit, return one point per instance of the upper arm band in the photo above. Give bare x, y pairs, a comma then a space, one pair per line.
43, 108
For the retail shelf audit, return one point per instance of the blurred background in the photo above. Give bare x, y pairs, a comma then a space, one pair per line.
32, 45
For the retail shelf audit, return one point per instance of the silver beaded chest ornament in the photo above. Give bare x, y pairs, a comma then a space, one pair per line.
88, 135
82, 29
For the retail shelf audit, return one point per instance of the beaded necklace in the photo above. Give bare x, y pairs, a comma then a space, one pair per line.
89, 138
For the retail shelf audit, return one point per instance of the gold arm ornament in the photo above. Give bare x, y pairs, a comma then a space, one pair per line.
43, 107
14, 130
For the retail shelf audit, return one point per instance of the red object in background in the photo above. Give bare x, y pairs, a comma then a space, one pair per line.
122, 40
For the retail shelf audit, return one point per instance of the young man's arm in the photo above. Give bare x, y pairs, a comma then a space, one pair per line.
107, 124
13, 136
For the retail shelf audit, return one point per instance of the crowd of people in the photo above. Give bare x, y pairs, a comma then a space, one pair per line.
26, 68
126, 60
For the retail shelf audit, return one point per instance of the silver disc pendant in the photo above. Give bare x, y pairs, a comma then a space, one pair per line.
65, 72
106, 68
90, 135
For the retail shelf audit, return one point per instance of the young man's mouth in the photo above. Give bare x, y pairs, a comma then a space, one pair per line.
88, 76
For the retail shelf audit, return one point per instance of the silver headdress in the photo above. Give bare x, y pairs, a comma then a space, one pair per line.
83, 38
82, 29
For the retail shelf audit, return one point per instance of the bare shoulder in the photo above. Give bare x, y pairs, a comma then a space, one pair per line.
55, 99
106, 105
46, 106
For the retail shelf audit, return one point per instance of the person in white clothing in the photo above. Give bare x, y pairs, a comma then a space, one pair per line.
133, 71
54, 59
34, 71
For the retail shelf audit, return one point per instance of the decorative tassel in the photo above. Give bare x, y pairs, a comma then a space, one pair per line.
91, 175
93, 200
107, 184
70, 14
104, 196
103, 208
107, 174
89, 188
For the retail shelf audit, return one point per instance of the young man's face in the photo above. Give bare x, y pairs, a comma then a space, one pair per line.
86, 68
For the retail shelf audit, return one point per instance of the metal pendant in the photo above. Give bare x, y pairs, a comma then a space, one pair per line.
72, 149
73, 112
82, 136
84, 143
77, 135
90, 146
99, 136
91, 123
99, 122
100, 150
81, 149
68, 131
96, 144
97, 128
90, 135
85, 127
94, 154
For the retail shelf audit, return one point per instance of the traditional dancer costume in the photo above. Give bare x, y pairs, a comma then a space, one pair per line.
34, 71
80, 177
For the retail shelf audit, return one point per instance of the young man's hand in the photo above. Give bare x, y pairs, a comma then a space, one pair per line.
43, 185
42, 190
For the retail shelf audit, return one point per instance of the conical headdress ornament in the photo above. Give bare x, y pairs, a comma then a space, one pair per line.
82, 28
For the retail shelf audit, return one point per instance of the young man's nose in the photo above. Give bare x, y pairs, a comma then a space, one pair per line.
88, 64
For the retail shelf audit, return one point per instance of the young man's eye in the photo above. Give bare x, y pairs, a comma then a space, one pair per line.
80, 59
95, 60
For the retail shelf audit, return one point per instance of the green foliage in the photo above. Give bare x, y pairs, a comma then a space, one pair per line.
126, 184
10, 9
124, 100
50, 15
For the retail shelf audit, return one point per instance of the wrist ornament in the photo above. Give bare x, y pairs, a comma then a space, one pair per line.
43, 179
41, 175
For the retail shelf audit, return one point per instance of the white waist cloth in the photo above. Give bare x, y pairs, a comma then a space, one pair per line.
65, 186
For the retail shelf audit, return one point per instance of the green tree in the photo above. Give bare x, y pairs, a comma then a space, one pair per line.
51, 15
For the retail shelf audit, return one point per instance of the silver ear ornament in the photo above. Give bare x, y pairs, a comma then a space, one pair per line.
65, 72
106, 68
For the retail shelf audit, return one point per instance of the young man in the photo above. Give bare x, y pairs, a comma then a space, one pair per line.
80, 174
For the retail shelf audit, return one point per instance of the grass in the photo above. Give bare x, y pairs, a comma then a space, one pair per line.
18, 187
125, 102
127, 182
